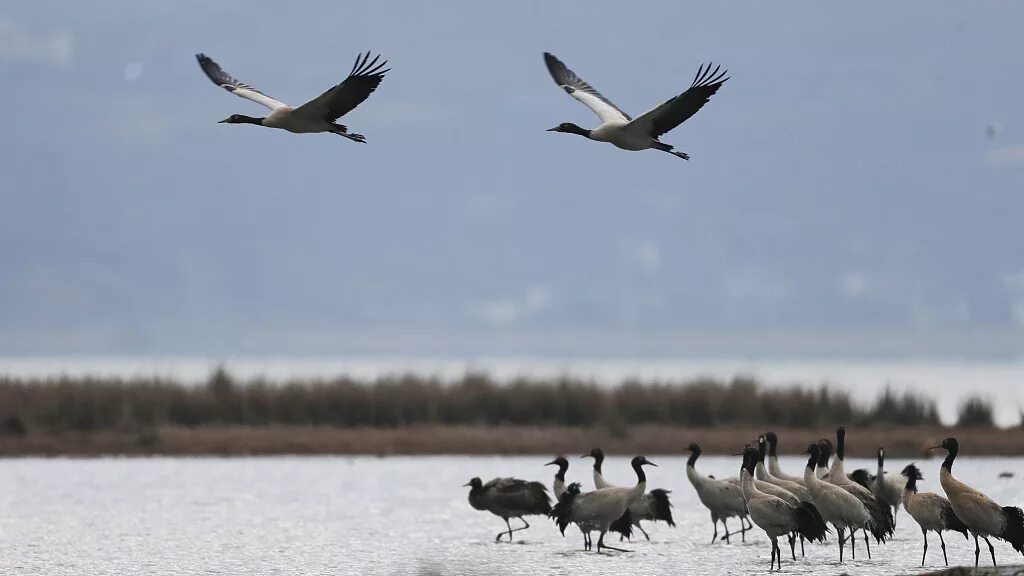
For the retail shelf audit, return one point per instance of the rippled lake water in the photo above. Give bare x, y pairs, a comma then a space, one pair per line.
402, 515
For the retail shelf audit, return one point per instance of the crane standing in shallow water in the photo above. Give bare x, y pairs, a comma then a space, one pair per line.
597, 510
887, 487
880, 516
723, 498
837, 506
624, 525
776, 516
800, 494
980, 513
930, 511
652, 506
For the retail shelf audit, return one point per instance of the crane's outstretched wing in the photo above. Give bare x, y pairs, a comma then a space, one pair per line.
678, 109
221, 78
582, 91
339, 100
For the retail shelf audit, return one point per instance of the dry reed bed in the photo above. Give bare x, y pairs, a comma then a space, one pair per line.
541, 440
472, 415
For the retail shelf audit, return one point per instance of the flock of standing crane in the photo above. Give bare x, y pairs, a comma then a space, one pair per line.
791, 506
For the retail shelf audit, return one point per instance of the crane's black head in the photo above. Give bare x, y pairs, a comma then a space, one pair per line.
953, 448
912, 471
773, 442
826, 447
596, 454
824, 452
950, 444
560, 462
570, 128
475, 484
642, 461
912, 474
815, 451
693, 447
241, 119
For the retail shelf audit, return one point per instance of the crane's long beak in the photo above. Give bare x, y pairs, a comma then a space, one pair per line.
935, 447
224, 121
467, 484
649, 463
552, 463
585, 456
552, 130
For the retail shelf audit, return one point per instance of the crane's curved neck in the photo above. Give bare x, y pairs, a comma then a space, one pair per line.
911, 483
772, 446
243, 119
761, 471
574, 129
641, 478
812, 460
762, 450
746, 481
948, 462
841, 444
692, 460
881, 462
598, 460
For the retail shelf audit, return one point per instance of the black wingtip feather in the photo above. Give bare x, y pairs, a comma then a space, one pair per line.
561, 512
862, 477
662, 506
953, 522
881, 525
809, 522
709, 78
1014, 532
624, 525
700, 70
364, 67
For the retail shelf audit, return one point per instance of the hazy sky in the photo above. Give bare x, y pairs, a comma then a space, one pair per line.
843, 196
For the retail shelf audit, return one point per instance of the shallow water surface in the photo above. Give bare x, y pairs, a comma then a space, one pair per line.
403, 515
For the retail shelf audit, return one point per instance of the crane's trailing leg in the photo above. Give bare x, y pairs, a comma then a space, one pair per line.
946, 560
343, 131
511, 529
668, 148
842, 543
644, 532
601, 544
